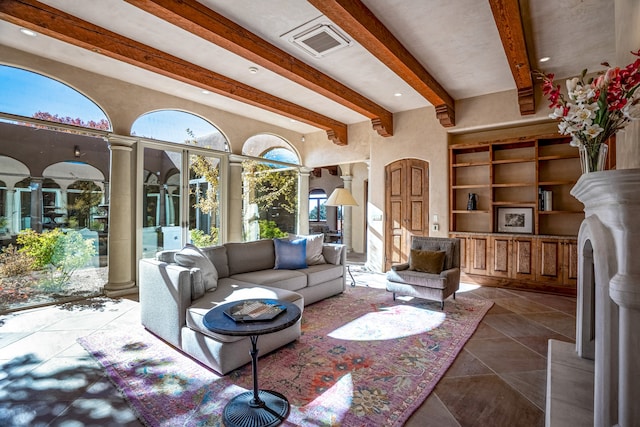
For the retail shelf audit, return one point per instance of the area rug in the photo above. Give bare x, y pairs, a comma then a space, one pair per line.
363, 360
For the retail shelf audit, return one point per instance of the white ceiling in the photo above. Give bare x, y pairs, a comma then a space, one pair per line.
456, 41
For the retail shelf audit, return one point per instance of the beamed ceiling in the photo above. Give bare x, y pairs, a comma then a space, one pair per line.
432, 52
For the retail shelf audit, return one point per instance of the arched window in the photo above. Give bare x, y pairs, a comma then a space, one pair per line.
30, 94
180, 127
270, 189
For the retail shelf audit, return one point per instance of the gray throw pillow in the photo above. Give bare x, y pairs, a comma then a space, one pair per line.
192, 257
314, 247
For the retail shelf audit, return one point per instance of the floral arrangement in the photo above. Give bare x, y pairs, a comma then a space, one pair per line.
596, 109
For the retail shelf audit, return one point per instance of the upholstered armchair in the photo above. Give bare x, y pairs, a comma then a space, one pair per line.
433, 270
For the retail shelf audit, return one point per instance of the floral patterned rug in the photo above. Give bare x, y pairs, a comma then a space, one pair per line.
362, 360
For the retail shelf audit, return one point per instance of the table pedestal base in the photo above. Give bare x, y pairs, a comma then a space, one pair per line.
243, 411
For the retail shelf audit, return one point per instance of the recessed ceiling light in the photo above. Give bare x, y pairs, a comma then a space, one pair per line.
397, 94
206, 92
544, 59
253, 70
28, 32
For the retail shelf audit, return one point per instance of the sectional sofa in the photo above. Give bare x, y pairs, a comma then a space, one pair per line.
178, 287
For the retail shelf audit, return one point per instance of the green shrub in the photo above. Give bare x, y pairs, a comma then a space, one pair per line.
270, 230
200, 239
39, 246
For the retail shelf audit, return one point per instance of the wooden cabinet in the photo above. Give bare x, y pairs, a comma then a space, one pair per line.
542, 263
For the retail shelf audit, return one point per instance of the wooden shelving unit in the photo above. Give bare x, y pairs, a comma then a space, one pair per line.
510, 174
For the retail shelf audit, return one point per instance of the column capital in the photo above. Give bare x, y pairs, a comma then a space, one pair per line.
304, 170
346, 177
235, 159
119, 142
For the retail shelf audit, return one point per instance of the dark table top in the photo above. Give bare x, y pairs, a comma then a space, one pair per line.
217, 321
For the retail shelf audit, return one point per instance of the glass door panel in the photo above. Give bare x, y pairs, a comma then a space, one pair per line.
204, 200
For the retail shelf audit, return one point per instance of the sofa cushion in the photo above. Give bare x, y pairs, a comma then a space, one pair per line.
290, 254
284, 279
332, 253
192, 257
321, 273
229, 290
426, 261
250, 256
218, 256
314, 247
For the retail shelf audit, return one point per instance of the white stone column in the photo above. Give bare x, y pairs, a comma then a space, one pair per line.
303, 200
234, 211
612, 197
121, 229
12, 218
346, 216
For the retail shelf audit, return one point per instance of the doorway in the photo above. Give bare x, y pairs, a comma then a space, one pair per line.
406, 207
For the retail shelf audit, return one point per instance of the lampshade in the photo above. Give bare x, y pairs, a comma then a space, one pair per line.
341, 197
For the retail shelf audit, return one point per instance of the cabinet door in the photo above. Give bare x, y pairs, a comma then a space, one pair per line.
463, 252
478, 255
549, 261
500, 259
570, 263
523, 250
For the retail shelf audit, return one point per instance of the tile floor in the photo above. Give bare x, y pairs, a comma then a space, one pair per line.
47, 379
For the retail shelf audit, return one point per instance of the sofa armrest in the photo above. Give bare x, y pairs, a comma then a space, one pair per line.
400, 267
165, 295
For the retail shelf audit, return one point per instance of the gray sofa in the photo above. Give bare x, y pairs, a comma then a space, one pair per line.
245, 270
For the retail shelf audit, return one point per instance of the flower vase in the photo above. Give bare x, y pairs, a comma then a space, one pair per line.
594, 158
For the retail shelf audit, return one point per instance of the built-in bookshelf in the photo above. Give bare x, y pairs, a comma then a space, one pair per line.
513, 174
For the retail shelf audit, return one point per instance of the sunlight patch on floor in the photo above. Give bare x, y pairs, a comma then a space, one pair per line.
390, 323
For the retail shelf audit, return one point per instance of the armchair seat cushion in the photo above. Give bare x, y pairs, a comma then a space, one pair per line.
417, 278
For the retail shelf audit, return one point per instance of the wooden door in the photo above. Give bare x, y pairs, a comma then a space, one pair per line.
549, 261
524, 258
406, 207
570, 263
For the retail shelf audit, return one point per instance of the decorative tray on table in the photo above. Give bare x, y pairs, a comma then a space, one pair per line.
255, 310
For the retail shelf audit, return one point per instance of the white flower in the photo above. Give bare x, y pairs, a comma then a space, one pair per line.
575, 142
584, 113
582, 94
571, 84
558, 113
593, 130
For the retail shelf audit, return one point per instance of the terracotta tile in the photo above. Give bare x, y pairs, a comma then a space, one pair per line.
561, 323
485, 331
532, 385
564, 304
515, 325
487, 400
492, 293
506, 355
541, 344
432, 413
521, 305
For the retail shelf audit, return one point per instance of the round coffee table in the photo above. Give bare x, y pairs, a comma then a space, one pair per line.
257, 408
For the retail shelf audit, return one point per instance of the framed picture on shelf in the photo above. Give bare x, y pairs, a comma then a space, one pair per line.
515, 220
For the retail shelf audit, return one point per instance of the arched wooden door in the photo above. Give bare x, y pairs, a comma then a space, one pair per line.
406, 207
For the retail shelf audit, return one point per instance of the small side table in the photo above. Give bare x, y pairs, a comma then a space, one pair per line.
257, 408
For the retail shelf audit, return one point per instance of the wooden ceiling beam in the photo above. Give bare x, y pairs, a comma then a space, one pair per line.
506, 13
196, 18
62, 26
361, 24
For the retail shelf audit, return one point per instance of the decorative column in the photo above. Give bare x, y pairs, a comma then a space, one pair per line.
234, 212
121, 219
12, 218
303, 200
611, 199
346, 216
36, 204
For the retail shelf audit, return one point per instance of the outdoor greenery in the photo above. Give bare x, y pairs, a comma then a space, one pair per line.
270, 230
201, 239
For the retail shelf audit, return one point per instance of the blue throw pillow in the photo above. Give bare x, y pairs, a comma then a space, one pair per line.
290, 254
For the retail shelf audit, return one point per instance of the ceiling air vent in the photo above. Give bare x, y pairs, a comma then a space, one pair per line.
318, 39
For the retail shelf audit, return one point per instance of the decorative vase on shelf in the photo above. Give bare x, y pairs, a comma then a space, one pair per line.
472, 202
593, 158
